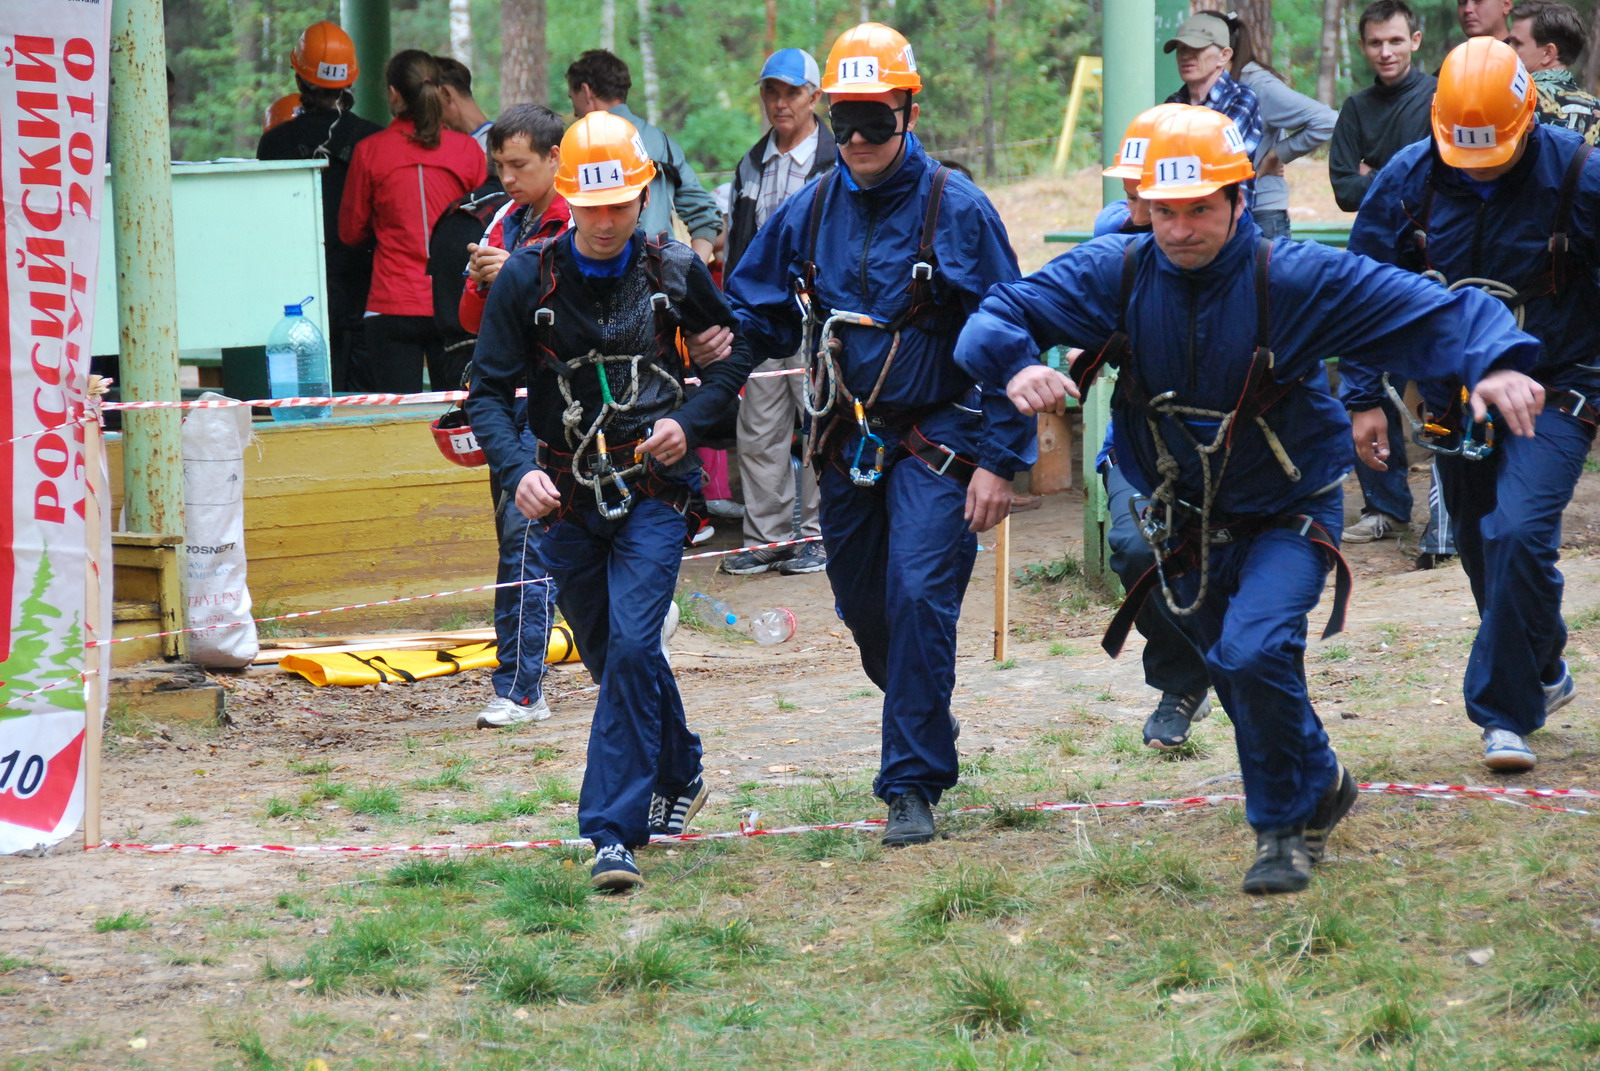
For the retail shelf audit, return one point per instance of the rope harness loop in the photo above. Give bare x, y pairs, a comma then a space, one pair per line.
592, 466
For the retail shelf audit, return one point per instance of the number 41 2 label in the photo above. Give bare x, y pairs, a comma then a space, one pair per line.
605, 175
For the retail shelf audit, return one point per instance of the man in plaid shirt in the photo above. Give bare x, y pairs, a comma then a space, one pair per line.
1204, 47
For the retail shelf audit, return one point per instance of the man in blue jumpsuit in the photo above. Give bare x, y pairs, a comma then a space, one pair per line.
897, 524
1225, 419
1489, 197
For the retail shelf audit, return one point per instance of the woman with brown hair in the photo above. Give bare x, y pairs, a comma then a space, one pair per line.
400, 181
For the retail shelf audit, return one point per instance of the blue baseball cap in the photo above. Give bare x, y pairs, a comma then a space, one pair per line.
795, 66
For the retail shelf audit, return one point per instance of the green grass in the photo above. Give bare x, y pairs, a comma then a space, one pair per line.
452, 777
126, 920
784, 704
984, 999
1006, 663
373, 800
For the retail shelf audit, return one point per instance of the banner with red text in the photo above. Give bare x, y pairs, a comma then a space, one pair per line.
53, 108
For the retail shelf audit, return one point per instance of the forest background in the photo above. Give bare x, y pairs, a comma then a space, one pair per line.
997, 72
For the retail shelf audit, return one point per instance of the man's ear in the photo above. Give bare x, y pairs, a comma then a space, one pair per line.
911, 121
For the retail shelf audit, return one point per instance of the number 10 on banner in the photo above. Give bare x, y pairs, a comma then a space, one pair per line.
605, 175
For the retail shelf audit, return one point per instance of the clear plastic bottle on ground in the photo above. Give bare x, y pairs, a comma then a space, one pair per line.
712, 611
297, 363
774, 625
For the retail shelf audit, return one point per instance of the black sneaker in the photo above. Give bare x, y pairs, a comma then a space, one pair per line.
1282, 863
751, 562
1334, 805
1168, 725
671, 814
808, 558
910, 821
614, 870
1429, 560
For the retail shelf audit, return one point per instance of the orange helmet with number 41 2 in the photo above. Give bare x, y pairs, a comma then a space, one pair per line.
871, 58
325, 56
1193, 152
1484, 103
603, 162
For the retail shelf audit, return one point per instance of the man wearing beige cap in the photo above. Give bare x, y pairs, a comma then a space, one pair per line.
1204, 47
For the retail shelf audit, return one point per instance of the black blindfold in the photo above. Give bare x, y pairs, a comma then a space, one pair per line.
874, 120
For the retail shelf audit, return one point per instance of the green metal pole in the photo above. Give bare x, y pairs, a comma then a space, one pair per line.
147, 293
367, 23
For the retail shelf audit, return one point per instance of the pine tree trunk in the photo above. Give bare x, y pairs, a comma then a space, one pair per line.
991, 70
608, 25
647, 59
1328, 51
524, 62
461, 31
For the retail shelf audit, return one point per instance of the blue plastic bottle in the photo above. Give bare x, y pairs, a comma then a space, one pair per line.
297, 363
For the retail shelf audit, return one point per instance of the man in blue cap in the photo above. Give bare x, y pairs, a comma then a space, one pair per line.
795, 149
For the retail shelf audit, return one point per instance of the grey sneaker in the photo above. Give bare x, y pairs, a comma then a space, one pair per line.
1282, 863
751, 562
1373, 526
1507, 752
1169, 724
502, 712
808, 558
910, 821
1334, 805
1560, 693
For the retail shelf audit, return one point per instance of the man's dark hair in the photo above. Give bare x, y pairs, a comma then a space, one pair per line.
606, 76
319, 99
1553, 24
1383, 11
541, 126
454, 73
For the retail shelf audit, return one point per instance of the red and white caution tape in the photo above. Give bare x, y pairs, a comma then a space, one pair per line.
756, 546
753, 829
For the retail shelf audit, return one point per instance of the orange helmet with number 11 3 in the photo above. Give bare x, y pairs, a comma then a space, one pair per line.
871, 58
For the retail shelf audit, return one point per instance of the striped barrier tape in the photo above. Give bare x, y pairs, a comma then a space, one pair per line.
752, 828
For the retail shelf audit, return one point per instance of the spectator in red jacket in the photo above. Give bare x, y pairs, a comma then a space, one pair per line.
400, 180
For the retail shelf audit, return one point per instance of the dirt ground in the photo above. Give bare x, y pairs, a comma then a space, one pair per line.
779, 715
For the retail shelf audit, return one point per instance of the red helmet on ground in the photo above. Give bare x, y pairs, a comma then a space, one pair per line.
453, 436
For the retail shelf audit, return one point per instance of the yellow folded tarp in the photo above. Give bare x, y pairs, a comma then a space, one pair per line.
388, 667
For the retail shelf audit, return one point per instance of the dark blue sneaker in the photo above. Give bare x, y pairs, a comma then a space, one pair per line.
910, 821
1334, 805
1169, 724
614, 870
672, 814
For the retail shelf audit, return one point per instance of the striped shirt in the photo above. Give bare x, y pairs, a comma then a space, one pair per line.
1238, 102
782, 173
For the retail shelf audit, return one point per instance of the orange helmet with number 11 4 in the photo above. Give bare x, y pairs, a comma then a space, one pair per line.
1193, 152
603, 162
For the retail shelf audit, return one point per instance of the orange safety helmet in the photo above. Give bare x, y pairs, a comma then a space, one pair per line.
871, 58
325, 56
1193, 152
281, 111
1131, 154
603, 162
1484, 103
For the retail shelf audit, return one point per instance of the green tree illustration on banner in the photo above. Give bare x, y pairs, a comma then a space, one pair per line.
33, 664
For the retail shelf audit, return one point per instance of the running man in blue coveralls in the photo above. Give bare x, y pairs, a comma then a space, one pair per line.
1225, 419
582, 321
1489, 197
906, 248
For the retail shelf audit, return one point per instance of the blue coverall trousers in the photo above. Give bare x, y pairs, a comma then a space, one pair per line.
1252, 628
899, 558
521, 614
615, 580
1507, 510
1171, 663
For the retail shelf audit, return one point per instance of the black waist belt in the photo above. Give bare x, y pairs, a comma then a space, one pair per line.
621, 457
650, 483
939, 458
1186, 555
1575, 405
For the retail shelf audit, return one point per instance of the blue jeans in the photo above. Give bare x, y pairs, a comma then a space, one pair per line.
1252, 628
616, 579
899, 558
1507, 510
1171, 663
521, 614
1274, 223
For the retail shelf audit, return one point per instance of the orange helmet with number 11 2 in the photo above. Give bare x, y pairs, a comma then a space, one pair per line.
1193, 152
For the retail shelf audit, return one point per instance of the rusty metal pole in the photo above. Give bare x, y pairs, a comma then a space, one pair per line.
147, 297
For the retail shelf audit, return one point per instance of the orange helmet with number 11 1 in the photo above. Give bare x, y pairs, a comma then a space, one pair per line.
1131, 153
1484, 104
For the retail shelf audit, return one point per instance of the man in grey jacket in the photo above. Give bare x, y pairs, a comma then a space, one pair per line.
1292, 125
599, 81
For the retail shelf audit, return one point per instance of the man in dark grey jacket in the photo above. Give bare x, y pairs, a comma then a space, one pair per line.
795, 149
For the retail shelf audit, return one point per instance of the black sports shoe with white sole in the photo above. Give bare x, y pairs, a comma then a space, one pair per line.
672, 814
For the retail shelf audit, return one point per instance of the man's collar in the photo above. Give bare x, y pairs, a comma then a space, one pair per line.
802, 154
1556, 76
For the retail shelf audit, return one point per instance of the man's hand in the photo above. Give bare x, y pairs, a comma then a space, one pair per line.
703, 249
1270, 165
536, 495
1370, 428
484, 262
988, 500
1040, 389
1364, 168
709, 346
667, 443
1519, 399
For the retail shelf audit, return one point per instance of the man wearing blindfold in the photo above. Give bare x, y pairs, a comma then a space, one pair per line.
872, 270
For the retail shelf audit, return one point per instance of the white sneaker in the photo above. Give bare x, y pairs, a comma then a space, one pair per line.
1506, 752
669, 625
502, 712
725, 509
1371, 528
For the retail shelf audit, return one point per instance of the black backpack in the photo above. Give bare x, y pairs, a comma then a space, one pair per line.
458, 226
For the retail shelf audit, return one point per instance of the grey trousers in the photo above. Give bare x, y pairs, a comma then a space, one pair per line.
767, 417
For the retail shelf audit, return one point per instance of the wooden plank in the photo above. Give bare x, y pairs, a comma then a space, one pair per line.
1052, 473
1002, 590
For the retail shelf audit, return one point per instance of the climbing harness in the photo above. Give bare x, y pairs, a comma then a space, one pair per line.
1435, 433
824, 391
1182, 534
